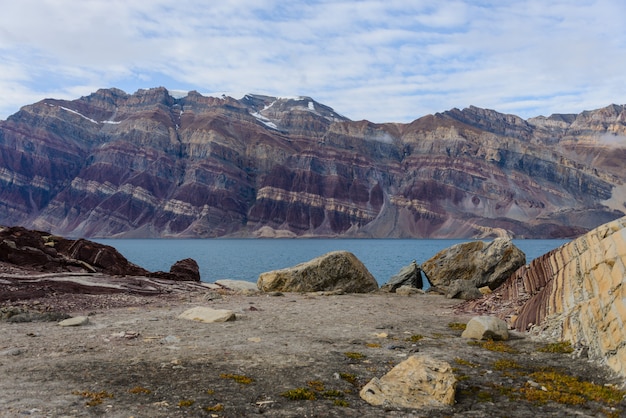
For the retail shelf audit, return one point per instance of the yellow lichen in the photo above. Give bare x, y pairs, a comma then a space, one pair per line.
185, 403
564, 347
316, 385
96, 397
215, 408
139, 389
457, 326
354, 355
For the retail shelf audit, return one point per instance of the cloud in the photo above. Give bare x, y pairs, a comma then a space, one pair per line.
379, 60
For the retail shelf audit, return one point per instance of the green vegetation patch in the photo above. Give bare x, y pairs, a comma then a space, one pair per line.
332, 394
457, 326
215, 408
349, 377
414, 338
566, 389
564, 347
299, 394
139, 390
497, 346
464, 362
186, 403
354, 355
505, 364
316, 385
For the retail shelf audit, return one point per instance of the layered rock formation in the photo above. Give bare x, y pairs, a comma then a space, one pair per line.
576, 292
38, 251
153, 165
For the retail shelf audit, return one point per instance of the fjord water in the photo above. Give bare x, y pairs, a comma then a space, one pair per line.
245, 259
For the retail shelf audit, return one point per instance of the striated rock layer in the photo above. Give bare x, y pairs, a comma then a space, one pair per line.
577, 291
149, 164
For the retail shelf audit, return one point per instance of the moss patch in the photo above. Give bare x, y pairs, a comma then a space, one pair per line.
299, 394
559, 347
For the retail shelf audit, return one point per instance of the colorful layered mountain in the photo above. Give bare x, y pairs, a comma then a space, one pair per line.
157, 164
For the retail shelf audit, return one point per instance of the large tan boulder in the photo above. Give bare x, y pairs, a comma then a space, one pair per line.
338, 270
462, 269
417, 382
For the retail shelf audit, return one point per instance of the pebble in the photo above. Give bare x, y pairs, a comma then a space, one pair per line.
74, 322
12, 352
170, 339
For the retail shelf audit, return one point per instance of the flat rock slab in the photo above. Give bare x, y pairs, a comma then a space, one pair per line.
208, 315
237, 284
74, 322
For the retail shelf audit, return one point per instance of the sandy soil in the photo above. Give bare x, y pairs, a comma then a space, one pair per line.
137, 358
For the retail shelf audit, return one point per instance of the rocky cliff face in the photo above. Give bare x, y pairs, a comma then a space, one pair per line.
575, 292
152, 165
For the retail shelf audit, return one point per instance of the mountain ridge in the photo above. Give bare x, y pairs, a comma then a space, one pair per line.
148, 164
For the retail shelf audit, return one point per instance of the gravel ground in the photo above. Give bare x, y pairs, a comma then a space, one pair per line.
136, 358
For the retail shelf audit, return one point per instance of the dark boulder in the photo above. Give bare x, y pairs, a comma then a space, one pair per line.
186, 270
410, 275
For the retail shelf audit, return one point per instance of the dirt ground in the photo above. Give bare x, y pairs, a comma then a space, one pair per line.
136, 358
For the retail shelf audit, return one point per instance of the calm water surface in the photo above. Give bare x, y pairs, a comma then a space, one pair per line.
245, 259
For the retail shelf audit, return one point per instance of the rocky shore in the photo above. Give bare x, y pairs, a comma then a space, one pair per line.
136, 357
78, 340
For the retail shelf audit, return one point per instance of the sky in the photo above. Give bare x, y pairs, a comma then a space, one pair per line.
384, 61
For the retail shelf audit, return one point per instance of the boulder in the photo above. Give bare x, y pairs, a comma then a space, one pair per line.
417, 382
410, 275
477, 263
338, 270
208, 315
486, 328
186, 270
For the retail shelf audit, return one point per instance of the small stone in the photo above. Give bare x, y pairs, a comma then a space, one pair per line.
208, 315
407, 290
486, 327
170, 339
12, 352
485, 290
74, 322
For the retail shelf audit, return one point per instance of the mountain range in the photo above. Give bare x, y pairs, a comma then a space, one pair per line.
160, 164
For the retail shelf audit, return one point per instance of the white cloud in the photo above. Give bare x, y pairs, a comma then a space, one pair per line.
379, 60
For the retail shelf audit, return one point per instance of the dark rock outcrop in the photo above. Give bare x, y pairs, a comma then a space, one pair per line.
410, 276
182, 270
462, 269
147, 164
41, 252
